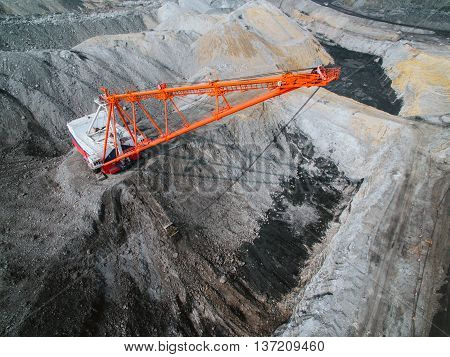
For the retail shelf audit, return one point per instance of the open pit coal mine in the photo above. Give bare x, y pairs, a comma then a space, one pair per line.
315, 213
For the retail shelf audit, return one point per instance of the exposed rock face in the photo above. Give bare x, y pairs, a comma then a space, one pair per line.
339, 227
428, 13
67, 29
35, 7
55, 84
258, 39
108, 241
414, 59
425, 89
379, 243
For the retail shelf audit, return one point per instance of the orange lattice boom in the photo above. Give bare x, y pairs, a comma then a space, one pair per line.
123, 140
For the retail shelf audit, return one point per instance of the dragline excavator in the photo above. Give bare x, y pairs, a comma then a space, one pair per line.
114, 135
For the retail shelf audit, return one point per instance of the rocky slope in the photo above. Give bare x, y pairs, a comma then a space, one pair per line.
432, 14
339, 228
42, 7
377, 269
414, 59
68, 28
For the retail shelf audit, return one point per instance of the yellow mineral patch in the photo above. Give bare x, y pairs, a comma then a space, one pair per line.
275, 27
424, 79
265, 40
231, 41
372, 132
299, 56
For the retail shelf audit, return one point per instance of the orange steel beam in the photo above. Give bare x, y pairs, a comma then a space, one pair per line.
132, 120
296, 80
166, 117
147, 114
105, 144
124, 121
275, 86
114, 132
182, 116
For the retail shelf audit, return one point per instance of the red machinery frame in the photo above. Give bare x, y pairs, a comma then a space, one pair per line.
275, 85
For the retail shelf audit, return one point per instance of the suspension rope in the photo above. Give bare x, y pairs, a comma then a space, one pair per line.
245, 170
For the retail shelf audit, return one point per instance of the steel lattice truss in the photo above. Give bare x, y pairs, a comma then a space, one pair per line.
266, 87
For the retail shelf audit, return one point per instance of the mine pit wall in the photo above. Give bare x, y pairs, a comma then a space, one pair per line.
414, 59
363, 79
227, 295
207, 280
355, 274
426, 13
441, 320
50, 87
65, 30
359, 290
130, 289
267, 227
